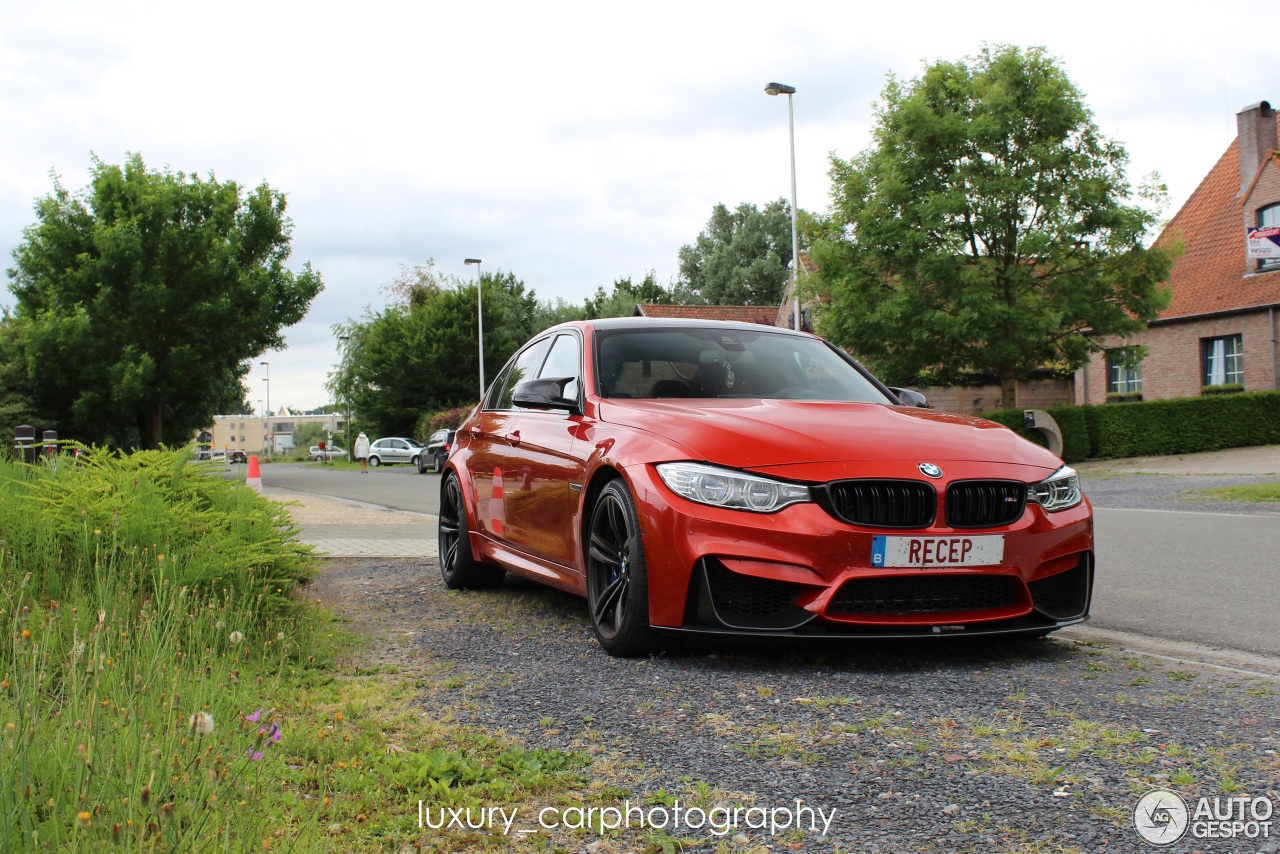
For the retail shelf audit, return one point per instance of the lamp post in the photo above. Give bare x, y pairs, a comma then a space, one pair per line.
263, 410
346, 393
267, 380
479, 316
784, 89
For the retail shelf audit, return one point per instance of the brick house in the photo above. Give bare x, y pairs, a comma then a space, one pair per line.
1219, 332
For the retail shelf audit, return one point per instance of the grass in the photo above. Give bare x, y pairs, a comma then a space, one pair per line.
1251, 492
166, 685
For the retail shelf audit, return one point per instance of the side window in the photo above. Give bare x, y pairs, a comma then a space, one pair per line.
565, 360
524, 367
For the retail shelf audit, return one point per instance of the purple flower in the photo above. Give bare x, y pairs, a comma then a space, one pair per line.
253, 718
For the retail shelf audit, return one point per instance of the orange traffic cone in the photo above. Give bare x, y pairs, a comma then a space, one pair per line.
253, 478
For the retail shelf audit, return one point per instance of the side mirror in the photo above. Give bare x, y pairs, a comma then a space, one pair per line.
910, 398
546, 393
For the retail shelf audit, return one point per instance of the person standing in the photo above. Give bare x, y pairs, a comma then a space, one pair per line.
362, 452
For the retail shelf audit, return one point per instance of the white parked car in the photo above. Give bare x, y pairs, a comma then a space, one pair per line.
330, 452
395, 449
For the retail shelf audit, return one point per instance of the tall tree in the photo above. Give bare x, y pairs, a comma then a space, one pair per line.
989, 226
419, 354
146, 295
624, 297
742, 257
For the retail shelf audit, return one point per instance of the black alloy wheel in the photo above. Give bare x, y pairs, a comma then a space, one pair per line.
459, 569
617, 583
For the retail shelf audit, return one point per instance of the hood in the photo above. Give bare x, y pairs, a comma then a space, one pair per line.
763, 434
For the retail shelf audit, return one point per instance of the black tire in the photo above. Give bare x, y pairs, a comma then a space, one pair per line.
439, 462
418, 462
414, 462
375, 462
617, 582
459, 569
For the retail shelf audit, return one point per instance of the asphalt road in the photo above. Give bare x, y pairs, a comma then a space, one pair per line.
1207, 574
397, 487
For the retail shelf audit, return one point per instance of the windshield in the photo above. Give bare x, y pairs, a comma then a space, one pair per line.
711, 362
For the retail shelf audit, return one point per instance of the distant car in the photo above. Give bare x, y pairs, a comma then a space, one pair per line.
331, 452
395, 449
238, 457
439, 445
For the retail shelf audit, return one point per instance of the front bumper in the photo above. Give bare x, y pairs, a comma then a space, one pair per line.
803, 573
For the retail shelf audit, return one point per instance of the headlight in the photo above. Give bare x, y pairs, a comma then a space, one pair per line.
728, 488
1059, 492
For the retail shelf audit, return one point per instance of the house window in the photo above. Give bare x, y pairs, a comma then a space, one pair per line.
1223, 360
1124, 376
1269, 217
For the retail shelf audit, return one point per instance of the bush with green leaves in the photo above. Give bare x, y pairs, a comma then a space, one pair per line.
1160, 427
146, 612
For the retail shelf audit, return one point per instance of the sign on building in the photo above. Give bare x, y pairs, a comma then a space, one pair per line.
1264, 242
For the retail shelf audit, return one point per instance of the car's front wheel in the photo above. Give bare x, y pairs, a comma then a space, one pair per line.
439, 462
459, 569
617, 582
375, 461
422, 468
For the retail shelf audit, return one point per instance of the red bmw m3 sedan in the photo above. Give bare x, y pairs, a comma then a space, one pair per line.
699, 476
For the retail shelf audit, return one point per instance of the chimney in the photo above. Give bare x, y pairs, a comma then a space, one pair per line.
1256, 129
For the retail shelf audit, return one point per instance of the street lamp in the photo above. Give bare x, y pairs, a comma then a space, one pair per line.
479, 316
783, 89
346, 392
263, 410
267, 380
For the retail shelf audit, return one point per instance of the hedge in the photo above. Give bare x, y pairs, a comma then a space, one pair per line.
1159, 427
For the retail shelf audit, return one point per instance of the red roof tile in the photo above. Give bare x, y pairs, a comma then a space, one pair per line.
764, 314
1210, 274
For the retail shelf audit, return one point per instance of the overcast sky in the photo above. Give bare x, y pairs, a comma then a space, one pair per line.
568, 143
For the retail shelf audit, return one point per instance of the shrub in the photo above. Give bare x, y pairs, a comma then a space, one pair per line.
431, 422
144, 614
1160, 427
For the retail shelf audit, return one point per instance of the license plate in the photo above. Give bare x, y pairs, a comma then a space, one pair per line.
925, 552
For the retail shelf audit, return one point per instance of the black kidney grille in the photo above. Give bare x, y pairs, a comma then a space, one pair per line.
985, 503
884, 503
925, 594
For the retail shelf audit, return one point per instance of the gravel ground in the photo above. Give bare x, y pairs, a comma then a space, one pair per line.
949, 746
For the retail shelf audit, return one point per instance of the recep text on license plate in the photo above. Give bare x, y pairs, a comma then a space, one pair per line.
925, 552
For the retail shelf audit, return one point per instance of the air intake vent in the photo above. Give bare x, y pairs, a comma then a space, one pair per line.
884, 503
985, 503
925, 594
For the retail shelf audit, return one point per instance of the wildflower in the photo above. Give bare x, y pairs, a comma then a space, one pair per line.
279, 635
253, 718
236, 637
84, 818
201, 723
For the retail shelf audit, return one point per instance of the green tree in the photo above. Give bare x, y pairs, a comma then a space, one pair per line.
419, 354
742, 257
625, 296
988, 228
17, 396
145, 296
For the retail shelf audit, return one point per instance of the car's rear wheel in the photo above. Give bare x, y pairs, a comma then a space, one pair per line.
459, 569
617, 582
375, 462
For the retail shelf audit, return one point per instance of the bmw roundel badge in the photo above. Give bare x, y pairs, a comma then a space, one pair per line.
930, 470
